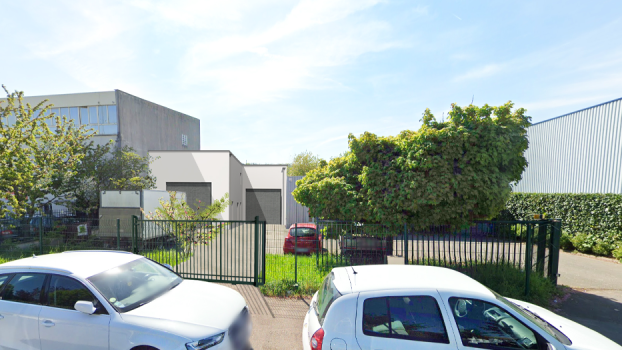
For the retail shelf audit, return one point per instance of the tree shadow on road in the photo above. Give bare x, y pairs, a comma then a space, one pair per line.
600, 310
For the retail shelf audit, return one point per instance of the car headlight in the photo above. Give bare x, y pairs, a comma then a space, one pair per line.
206, 343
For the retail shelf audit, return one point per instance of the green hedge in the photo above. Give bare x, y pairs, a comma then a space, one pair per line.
589, 220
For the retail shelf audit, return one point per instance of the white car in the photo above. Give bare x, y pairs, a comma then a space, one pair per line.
117, 301
392, 307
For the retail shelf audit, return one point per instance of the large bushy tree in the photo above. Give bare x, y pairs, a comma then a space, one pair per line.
39, 152
447, 172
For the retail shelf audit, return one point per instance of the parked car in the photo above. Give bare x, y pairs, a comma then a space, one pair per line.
114, 300
424, 307
308, 242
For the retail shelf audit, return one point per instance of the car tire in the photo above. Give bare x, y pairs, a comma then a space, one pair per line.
144, 347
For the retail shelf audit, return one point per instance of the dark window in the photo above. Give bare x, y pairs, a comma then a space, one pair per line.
485, 325
112, 114
302, 232
24, 288
409, 317
3, 279
326, 297
64, 292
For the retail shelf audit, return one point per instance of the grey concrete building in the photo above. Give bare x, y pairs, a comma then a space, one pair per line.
128, 120
578, 152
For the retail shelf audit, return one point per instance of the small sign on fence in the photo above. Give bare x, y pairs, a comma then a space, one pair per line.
83, 230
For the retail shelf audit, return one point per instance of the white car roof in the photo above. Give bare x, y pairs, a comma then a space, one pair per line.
385, 277
83, 264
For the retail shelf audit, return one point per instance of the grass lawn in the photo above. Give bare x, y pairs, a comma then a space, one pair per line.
165, 256
503, 279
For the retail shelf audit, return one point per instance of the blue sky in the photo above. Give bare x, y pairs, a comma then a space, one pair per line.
272, 78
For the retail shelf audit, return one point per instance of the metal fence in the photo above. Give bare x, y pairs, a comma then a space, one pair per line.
529, 246
216, 251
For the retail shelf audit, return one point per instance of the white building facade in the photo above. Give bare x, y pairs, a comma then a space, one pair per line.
254, 190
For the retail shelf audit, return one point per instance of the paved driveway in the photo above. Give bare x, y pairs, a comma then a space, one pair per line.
597, 298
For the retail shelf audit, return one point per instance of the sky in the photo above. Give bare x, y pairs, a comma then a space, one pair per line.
272, 78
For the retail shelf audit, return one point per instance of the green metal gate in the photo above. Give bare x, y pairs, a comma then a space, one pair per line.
215, 251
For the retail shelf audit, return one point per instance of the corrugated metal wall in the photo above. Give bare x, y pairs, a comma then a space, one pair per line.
580, 152
295, 211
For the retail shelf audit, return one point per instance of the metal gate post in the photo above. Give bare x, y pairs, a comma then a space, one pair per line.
255, 277
41, 235
118, 234
405, 245
528, 258
296, 255
263, 254
134, 234
556, 233
543, 228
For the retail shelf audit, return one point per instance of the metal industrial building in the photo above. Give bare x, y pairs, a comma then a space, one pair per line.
127, 119
579, 152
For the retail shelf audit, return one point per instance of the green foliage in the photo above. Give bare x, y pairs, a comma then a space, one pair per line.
592, 216
445, 173
510, 282
39, 152
565, 241
187, 225
617, 253
603, 248
583, 243
303, 163
105, 168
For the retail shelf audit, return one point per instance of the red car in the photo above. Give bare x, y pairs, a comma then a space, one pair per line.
309, 241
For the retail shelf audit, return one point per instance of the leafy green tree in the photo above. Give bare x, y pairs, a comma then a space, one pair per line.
39, 152
445, 173
189, 226
106, 168
303, 163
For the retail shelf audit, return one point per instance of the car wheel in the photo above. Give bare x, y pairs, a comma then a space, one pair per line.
144, 347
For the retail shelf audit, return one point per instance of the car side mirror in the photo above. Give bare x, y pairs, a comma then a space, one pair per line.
86, 307
168, 266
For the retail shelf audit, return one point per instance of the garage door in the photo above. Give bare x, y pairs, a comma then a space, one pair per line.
194, 191
264, 203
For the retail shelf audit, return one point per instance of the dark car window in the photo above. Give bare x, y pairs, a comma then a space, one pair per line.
64, 292
302, 232
326, 297
487, 326
3, 280
24, 288
405, 317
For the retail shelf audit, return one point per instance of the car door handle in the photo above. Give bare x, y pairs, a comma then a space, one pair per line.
48, 323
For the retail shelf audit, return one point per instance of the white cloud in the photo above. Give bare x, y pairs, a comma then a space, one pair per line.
482, 72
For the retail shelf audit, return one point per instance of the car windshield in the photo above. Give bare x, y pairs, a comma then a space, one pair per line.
302, 232
533, 317
134, 284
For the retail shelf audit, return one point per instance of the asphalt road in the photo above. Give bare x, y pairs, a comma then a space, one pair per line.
597, 298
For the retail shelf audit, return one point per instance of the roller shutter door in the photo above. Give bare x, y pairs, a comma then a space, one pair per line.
194, 191
264, 203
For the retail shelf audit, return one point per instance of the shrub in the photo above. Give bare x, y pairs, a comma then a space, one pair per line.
617, 253
602, 248
582, 243
599, 216
565, 241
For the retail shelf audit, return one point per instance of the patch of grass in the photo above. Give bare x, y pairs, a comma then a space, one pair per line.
509, 281
166, 256
280, 275
506, 280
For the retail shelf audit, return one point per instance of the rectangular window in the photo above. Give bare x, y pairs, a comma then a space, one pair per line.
3, 279
93, 115
64, 112
108, 129
24, 288
64, 292
103, 115
84, 115
415, 318
74, 115
112, 114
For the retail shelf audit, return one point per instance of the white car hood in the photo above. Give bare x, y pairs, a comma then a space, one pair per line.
194, 302
582, 338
